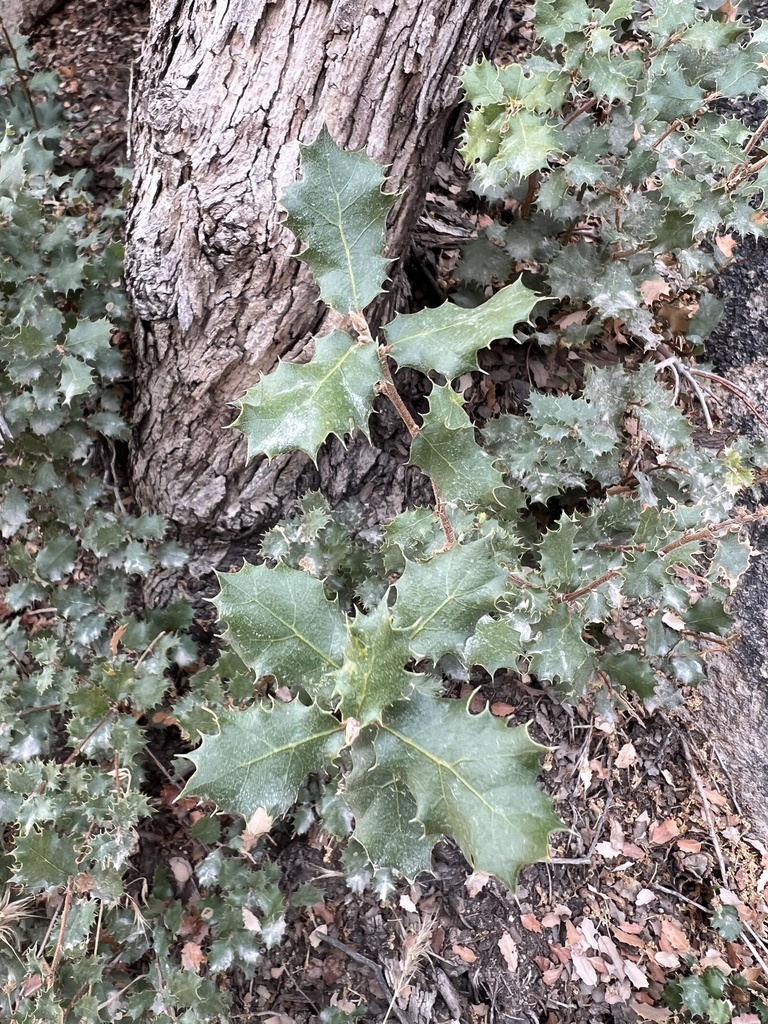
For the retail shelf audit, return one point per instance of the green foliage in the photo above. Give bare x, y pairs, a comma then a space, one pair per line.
615, 169
589, 541
85, 685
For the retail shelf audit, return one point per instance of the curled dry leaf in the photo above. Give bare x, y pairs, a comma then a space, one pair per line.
635, 975
192, 957
531, 923
626, 756
584, 969
673, 939
464, 953
647, 1012
508, 949
250, 921
663, 832
181, 869
259, 824
688, 845
476, 883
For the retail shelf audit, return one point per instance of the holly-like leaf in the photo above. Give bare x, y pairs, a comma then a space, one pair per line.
446, 450
281, 623
448, 338
494, 645
440, 601
339, 209
472, 778
262, 755
44, 860
76, 378
373, 674
559, 652
385, 814
298, 405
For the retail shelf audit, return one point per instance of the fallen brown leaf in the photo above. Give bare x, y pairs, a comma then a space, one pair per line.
508, 948
192, 957
531, 923
662, 833
464, 953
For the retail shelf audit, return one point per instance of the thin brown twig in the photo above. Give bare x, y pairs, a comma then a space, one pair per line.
371, 965
20, 73
755, 136
587, 858
62, 926
65, 764
691, 537
680, 121
732, 388
579, 111
388, 387
706, 810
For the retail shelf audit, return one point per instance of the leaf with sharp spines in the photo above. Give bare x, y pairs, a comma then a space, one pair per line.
494, 645
448, 338
339, 209
298, 405
373, 674
385, 814
472, 778
262, 755
557, 551
281, 623
446, 450
440, 601
559, 651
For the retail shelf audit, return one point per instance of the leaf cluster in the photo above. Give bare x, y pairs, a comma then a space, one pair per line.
589, 541
85, 685
619, 161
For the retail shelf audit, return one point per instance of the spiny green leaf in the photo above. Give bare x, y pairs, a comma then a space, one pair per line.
373, 674
448, 338
446, 450
559, 651
495, 644
281, 623
262, 755
44, 860
339, 209
385, 814
76, 377
89, 338
440, 601
298, 405
472, 779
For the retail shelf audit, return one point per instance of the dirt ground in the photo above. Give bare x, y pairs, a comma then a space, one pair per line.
653, 841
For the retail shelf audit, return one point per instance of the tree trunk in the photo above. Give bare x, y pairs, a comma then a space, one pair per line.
228, 90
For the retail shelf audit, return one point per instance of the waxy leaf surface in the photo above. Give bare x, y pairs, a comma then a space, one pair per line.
385, 814
440, 601
281, 623
339, 209
472, 778
298, 405
448, 338
373, 674
262, 755
446, 450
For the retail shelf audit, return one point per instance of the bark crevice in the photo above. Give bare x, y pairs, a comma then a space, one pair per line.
226, 95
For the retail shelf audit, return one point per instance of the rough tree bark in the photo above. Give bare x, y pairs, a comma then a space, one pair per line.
228, 89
